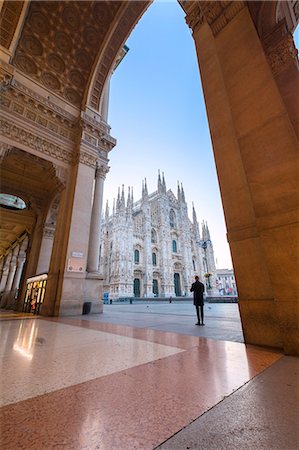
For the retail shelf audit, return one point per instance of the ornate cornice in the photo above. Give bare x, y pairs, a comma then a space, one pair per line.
216, 13
43, 146
96, 134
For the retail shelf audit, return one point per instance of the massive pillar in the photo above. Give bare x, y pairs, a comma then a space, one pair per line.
69, 282
254, 138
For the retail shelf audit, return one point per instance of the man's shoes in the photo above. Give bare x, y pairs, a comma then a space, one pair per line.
203, 324
197, 323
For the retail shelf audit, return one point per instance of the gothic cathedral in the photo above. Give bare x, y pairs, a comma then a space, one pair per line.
150, 248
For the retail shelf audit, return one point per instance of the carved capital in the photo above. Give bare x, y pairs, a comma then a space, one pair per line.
282, 54
4, 150
6, 76
216, 13
195, 16
101, 171
61, 174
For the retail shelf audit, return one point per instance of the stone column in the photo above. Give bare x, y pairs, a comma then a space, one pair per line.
1, 268
11, 273
5, 273
253, 138
95, 224
19, 269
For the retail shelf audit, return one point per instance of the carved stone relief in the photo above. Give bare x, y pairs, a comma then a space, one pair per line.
281, 54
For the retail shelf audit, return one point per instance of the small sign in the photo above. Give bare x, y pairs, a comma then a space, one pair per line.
77, 254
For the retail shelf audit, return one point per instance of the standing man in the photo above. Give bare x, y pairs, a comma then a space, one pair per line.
198, 289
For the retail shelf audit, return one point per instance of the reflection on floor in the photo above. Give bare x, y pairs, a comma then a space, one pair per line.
80, 384
8, 315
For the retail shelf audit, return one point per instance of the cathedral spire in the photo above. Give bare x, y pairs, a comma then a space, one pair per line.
122, 201
129, 197
163, 183
144, 190
204, 231
118, 200
113, 210
183, 193
194, 214
107, 211
160, 187
179, 192
132, 197
208, 231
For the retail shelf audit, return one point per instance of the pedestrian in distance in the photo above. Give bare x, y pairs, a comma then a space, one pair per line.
198, 289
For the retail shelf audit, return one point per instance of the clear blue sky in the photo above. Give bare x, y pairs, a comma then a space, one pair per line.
157, 114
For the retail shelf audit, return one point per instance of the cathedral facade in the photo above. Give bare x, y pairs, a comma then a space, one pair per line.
150, 248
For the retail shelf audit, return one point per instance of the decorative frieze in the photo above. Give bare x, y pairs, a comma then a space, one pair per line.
282, 54
216, 13
36, 110
24, 137
87, 157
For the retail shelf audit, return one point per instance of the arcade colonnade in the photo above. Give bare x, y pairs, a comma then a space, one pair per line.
56, 62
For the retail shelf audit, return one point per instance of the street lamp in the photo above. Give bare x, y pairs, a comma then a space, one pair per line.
204, 244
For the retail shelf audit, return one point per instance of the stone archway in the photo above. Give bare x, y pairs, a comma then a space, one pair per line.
249, 71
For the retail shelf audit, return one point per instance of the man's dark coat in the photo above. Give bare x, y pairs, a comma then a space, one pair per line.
198, 289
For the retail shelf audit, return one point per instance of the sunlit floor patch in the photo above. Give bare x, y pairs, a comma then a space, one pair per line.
49, 356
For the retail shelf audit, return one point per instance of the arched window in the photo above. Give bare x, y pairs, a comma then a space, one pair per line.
174, 246
154, 259
193, 260
136, 256
172, 221
153, 236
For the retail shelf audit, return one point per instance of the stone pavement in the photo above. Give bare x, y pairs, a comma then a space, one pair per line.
222, 321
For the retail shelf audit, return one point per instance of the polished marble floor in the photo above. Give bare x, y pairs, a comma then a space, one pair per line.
70, 383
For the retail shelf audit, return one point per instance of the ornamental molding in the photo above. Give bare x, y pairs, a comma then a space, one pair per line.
62, 174
96, 133
37, 143
195, 16
216, 13
24, 103
282, 54
88, 157
48, 105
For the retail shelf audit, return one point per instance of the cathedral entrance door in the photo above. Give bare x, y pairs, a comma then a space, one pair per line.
177, 285
136, 287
